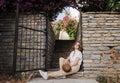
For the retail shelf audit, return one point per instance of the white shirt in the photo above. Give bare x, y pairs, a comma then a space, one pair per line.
75, 54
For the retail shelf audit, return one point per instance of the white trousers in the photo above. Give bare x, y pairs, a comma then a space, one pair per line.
61, 72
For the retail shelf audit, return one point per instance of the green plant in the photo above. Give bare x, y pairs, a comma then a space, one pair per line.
113, 5
68, 24
101, 79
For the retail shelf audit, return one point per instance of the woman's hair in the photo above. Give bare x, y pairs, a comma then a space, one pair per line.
80, 47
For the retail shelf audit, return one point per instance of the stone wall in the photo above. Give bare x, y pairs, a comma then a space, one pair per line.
101, 43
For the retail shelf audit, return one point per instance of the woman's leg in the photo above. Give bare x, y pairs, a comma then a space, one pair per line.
75, 69
61, 62
62, 73
57, 73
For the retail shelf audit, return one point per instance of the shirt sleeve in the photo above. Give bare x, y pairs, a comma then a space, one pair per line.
79, 54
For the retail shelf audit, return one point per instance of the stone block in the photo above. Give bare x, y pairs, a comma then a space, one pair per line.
96, 61
106, 58
96, 45
96, 35
99, 39
103, 48
86, 52
88, 32
86, 56
97, 52
117, 38
117, 48
86, 35
117, 35
102, 31
87, 61
113, 18
84, 24
116, 66
86, 45
111, 44
92, 24
85, 39
90, 48
109, 38
95, 57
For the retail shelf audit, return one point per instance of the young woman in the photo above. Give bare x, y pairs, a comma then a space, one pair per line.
74, 59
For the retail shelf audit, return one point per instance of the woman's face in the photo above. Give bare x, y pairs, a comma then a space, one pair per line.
76, 46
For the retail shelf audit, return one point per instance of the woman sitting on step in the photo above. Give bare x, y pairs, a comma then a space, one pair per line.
74, 60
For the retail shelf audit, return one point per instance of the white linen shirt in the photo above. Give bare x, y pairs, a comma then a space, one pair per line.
75, 54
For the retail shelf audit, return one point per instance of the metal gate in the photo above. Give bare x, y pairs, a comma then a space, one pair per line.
30, 47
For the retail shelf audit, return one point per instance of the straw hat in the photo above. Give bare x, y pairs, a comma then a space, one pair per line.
66, 67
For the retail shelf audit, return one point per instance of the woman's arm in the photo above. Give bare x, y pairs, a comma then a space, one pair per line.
67, 60
76, 62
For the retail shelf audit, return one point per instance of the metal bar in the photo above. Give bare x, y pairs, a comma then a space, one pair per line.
46, 51
37, 53
21, 44
15, 39
25, 32
32, 29
30, 45
30, 70
34, 41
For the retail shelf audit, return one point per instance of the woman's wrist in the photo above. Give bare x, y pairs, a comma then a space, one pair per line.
66, 61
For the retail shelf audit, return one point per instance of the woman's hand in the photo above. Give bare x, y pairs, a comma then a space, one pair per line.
66, 61
76, 62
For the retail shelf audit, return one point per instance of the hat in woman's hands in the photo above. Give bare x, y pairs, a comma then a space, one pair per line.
66, 67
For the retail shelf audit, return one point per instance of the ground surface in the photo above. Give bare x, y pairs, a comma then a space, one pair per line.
40, 80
